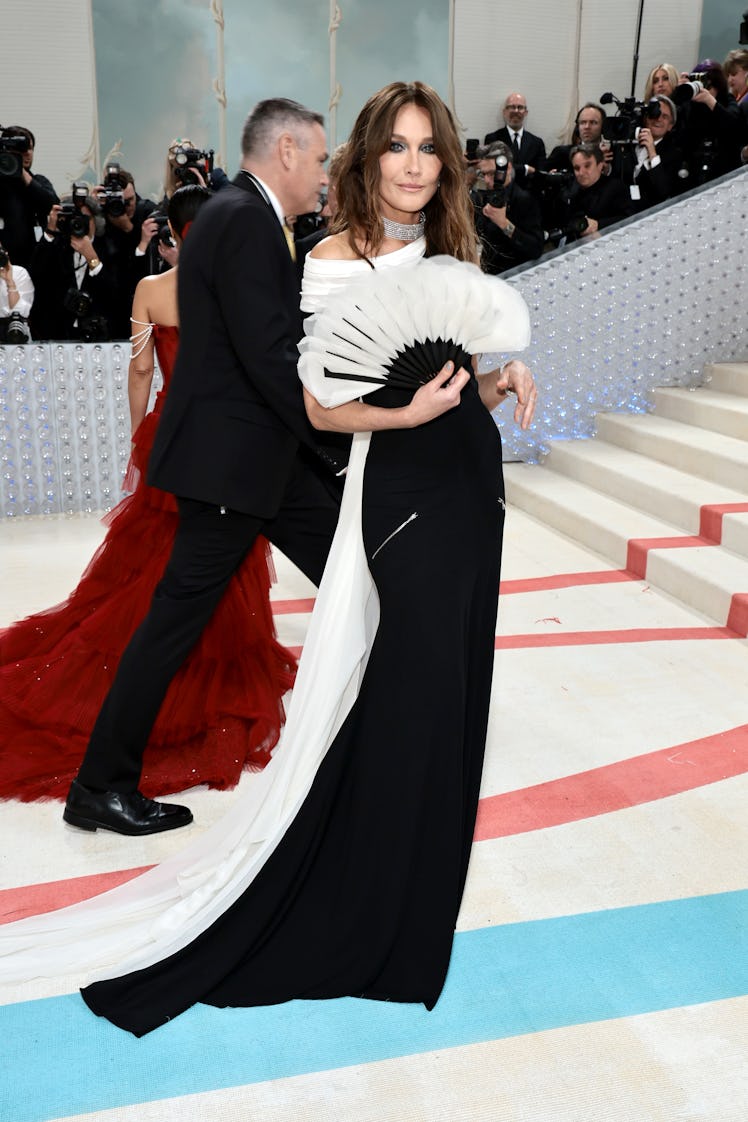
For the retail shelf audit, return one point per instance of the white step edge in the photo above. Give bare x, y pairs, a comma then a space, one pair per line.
659, 490
719, 412
707, 455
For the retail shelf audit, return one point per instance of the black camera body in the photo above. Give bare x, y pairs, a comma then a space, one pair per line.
12, 148
71, 222
111, 195
496, 195
621, 129
187, 161
163, 234
17, 330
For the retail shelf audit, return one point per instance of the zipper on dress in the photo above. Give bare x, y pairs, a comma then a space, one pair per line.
397, 531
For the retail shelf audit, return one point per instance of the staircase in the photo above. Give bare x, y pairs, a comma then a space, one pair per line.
663, 495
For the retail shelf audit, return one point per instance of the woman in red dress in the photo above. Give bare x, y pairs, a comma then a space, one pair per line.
224, 709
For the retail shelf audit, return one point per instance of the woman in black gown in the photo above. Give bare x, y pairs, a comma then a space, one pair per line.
361, 894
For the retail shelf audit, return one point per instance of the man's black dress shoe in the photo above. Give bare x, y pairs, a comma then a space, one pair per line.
130, 813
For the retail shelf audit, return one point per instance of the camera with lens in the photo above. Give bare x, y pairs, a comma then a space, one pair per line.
91, 328
621, 131
17, 330
496, 195
111, 195
571, 229
163, 234
12, 148
71, 222
187, 161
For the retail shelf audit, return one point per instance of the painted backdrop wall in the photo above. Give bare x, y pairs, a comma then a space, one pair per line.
156, 60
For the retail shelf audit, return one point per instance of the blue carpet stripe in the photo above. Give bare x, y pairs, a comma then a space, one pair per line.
503, 981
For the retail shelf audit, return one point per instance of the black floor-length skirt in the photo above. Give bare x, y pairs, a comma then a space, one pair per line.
360, 897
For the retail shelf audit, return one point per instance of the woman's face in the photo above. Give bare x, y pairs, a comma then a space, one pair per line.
737, 82
661, 84
409, 169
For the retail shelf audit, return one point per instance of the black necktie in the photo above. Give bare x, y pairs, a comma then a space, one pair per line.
515, 145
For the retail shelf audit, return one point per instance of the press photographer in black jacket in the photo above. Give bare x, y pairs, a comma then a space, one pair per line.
598, 199
507, 218
75, 295
25, 197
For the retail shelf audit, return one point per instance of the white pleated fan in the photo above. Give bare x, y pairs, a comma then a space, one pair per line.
399, 326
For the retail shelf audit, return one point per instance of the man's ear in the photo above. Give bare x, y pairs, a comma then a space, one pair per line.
287, 149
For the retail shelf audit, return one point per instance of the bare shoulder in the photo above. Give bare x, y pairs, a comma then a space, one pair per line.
335, 248
156, 298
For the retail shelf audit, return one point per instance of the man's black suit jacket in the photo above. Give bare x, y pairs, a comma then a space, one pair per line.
234, 415
52, 269
661, 182
531, 152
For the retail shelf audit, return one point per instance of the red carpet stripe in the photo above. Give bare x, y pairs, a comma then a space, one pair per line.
737, 617
710, 525
588, 794
565, 580
34, 899
601, 790
290, 607
624, 635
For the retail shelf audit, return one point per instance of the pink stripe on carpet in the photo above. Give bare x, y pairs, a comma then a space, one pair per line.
601, 790
624, 635
34, 899
587, 794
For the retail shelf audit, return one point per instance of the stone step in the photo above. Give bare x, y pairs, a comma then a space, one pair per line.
675, 497
707, 455
718, 411
727, 377
706, 578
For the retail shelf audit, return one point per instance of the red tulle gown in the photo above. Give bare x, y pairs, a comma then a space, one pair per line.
223, 711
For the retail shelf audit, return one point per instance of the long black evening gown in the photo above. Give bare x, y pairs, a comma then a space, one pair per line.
360, 896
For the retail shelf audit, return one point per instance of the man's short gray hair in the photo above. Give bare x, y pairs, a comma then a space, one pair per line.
498, 148
270, 118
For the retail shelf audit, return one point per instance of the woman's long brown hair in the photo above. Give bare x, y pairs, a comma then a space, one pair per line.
449, 218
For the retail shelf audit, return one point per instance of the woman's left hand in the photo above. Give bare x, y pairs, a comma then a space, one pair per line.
515, 377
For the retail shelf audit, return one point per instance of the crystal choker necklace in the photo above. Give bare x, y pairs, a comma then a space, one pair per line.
403, 231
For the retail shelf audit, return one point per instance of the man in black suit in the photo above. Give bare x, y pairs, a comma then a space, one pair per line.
659, 158
528, 150
233, 444
507, 219
596, 201
75, 293
26, 199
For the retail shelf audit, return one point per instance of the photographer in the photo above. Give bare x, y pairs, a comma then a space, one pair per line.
75, 294
25, 197
658, 156
595, 199
588, 129
124, 244
16, 298
507, 218
714, 129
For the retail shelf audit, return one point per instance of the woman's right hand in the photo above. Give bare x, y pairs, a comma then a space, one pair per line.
438, 396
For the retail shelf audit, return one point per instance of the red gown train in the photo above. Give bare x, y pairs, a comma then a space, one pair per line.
223, 710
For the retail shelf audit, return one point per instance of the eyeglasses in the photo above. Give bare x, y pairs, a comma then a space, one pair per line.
519, 108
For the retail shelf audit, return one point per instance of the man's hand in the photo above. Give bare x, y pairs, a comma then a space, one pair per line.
52, 218
84, 246
148, 230
592, 225
646, 139
168, 253
497, 215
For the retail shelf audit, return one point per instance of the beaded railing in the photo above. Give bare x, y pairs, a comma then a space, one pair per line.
646, 304
64, 427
